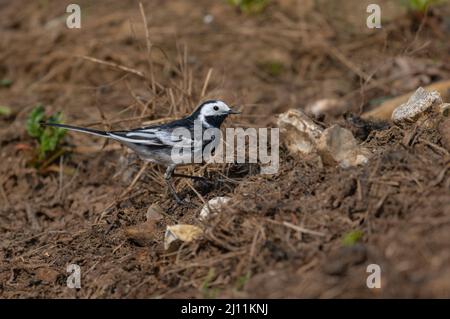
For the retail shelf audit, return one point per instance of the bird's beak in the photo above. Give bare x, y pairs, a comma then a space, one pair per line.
233, 112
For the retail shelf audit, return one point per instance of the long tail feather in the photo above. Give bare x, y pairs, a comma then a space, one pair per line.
78, 129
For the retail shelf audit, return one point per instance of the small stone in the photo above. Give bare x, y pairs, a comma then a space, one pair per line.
419, 103
208, 18
154, 212
299, 131
213, 206
177, 234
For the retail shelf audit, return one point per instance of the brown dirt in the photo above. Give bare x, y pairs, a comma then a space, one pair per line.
73, 212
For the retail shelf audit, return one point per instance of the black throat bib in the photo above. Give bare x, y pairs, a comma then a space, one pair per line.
215, 120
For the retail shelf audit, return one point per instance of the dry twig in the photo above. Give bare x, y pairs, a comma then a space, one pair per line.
114, 66
296, 228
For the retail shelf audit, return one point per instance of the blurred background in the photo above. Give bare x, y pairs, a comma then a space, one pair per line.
264, 55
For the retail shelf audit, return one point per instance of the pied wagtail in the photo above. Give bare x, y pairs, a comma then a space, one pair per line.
155, 143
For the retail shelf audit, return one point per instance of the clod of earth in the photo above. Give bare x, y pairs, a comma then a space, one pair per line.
212, 206
177, 234
142, 234
338, 263
337, 145
418, 104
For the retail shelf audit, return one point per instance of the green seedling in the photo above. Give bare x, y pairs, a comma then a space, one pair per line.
250, 6
49, 139
352, 238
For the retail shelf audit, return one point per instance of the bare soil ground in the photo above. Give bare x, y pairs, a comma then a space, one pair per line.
291, 54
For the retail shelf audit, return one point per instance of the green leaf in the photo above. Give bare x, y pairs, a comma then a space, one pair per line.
352, 238
33, 125
49, 138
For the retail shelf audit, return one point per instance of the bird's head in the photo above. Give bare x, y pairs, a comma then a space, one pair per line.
212, 113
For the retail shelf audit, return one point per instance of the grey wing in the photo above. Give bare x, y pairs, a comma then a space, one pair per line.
137, 137
160, 144
179, 137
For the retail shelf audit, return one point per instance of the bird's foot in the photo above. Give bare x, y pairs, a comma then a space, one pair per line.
182, 202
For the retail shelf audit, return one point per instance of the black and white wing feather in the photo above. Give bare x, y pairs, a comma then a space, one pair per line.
153, 137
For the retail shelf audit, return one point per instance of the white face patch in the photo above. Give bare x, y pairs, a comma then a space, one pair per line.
216, 108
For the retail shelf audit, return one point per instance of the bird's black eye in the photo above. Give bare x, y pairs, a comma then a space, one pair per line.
216, 108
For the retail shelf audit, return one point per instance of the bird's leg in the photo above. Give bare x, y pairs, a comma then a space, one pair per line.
205, 182
168, 177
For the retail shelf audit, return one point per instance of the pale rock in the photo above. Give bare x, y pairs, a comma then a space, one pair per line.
337, 145
154, 212
419, 103
177, 234
299, 132
212, 206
